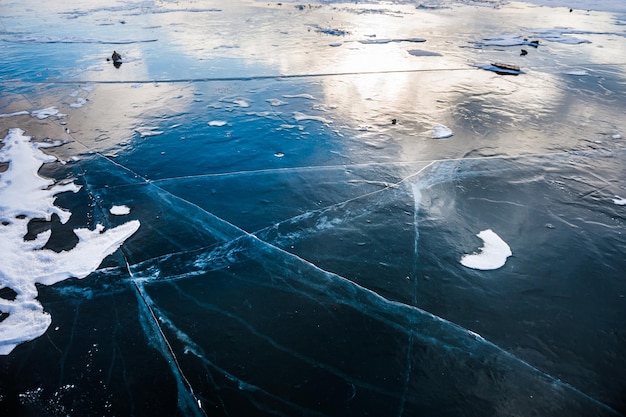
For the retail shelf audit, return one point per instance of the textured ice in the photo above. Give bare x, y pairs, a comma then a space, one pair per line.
24, 195
492, 255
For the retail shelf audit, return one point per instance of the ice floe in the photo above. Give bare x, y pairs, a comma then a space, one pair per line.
119, 210
24, 196
492, 255
217, 123
441, 132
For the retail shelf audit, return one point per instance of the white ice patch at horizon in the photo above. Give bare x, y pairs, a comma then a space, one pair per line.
492, 255
24, 196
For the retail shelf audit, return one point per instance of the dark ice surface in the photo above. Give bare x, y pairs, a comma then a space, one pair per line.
301, 229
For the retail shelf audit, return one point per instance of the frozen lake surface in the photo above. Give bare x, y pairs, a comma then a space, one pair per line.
313, 209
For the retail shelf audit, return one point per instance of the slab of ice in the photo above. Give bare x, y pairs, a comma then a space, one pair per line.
441, 132
24, 196
217, 123
119, 210
492, 255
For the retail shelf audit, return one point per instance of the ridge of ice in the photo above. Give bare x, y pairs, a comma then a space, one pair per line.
24, 196
492, 255
299, 116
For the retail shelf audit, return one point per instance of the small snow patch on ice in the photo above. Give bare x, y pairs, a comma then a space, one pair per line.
44, 113
241, 102
441, 132
276, 102
307, 96
147, 131
619, 201
217, 123
492, 255
120, 210
79, 103
17, 113
616, 136
579, 73
420, 52
299, 116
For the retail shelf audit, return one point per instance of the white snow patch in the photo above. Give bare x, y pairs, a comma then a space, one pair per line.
276, 102
119, 210
217, 123
441, 132
306, 96
241, 102
577, 72
299, 116
146, 131
17, 113
24, 196
616, 136
619, 201
492, 255
79, 103
44, 113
